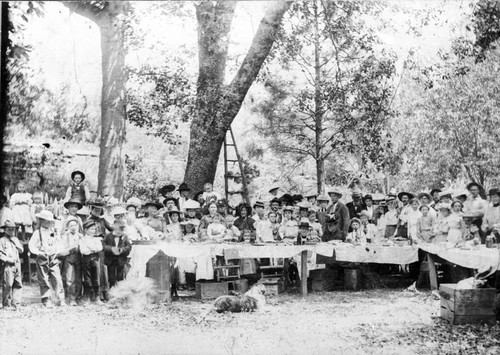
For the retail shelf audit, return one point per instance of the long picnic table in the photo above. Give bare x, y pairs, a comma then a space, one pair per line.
480, 259
203, 253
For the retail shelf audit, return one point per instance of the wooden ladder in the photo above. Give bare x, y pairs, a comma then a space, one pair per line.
231, 143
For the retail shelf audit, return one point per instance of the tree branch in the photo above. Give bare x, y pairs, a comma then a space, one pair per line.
258, 52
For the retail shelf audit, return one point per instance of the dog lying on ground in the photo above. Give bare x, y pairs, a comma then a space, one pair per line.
251, 300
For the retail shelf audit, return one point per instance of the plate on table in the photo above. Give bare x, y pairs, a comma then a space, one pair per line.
259, 244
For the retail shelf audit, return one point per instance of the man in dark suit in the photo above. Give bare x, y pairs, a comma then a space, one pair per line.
337, 218
356, 206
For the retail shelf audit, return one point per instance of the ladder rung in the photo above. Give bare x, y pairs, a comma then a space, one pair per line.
232, 161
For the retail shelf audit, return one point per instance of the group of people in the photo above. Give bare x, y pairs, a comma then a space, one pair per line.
84, 251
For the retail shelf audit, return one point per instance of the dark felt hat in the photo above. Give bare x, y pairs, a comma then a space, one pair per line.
89, 223
98, 202
73, 202
169, 199
367, 197
472, 184
183, 187
435, 190
494, 191
275, 199
153, 203
196, 195
297, 197
258, 204
409, 194
77, 172
166, 189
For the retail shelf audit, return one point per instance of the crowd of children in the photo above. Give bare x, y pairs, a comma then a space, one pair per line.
83, 252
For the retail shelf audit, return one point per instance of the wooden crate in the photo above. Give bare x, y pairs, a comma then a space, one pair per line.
467, 306
274, 286
208, 290
240, 285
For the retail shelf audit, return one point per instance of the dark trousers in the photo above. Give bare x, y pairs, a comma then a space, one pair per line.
72, 276
115, 273
91, 270
11, 284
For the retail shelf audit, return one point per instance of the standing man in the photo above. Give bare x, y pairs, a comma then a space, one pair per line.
184, 191
356, 206
435, 198
337, 218
476, 206
46, 245
10, 265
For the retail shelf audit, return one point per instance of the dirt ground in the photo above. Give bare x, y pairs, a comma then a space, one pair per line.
374, 322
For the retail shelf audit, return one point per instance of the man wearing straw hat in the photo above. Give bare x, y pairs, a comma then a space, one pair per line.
10, 265
45, 244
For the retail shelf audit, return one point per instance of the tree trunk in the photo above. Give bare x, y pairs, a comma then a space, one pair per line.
217, 103
110, 18
113, 105
4, 18
318, 107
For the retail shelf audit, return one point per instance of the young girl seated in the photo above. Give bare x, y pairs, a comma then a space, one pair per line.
289, 228
316, 230
216, 230
369, 230
173, 229
424, 225
189, 231
232, 233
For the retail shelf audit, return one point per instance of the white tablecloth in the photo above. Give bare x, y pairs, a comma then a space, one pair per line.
241, 251
480, 259
379, 254
201, 254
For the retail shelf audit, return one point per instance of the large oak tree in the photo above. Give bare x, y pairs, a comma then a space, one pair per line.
218, 103
110, 18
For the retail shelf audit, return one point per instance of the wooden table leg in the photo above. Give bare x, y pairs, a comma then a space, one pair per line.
432, 272
303, 272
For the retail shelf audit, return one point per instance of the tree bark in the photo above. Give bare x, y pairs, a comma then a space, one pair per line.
318, 107
110, 19
113, 105
4, 18
217, 103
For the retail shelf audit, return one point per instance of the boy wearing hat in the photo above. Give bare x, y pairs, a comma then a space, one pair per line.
356, 235
337, 218
90, 247
10, 265
77, 190
116, 246
258, 208
73, 206
491, 219
476, 205
46, 245
71, 261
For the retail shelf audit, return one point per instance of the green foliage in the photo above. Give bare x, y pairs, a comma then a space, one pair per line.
329, 90
451, 131
32, 106
143, 180
486, 24
159, 98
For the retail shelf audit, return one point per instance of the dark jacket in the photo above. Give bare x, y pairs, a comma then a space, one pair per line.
337, 224
354, 210
124, 247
